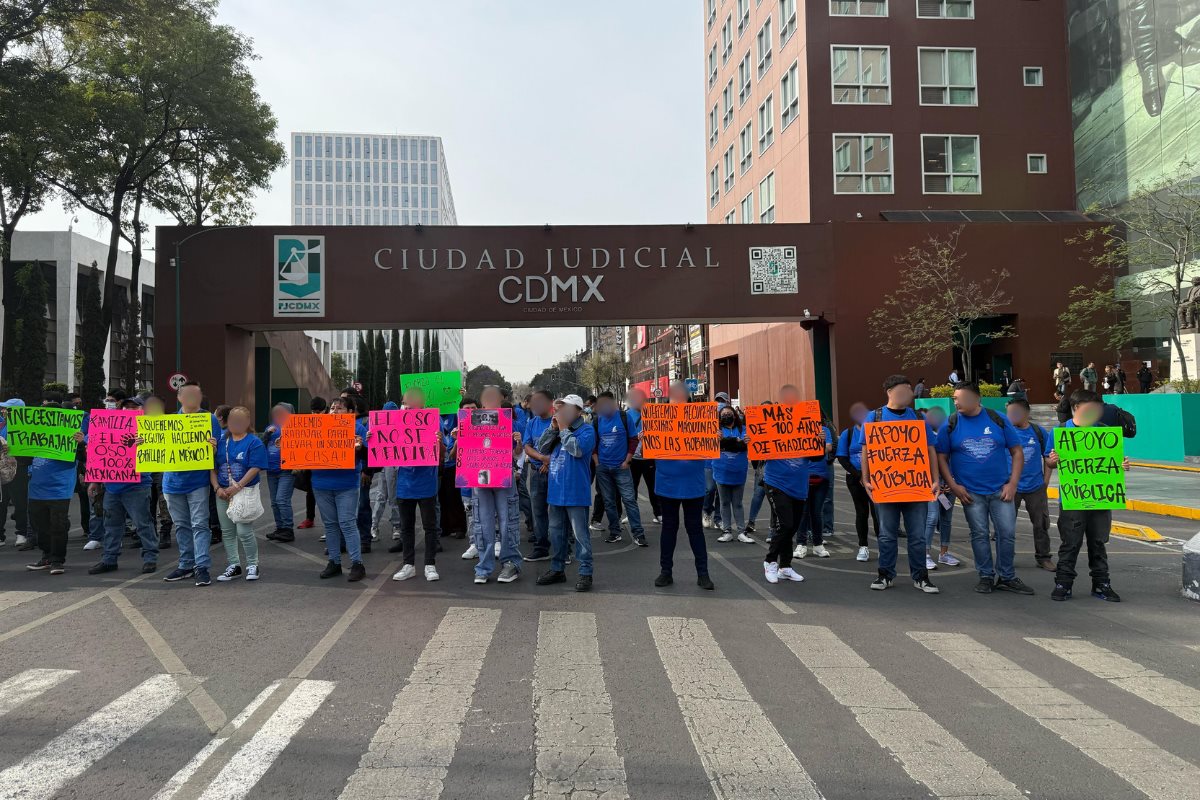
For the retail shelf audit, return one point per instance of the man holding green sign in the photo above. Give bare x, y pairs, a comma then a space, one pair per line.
44, 432
442, 390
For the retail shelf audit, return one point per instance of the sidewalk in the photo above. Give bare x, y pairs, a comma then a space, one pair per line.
1157, 488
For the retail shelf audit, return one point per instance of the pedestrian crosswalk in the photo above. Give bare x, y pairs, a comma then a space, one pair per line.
720, 706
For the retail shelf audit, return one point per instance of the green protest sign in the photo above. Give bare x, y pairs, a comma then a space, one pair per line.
44, 432
1091, 470
442, 389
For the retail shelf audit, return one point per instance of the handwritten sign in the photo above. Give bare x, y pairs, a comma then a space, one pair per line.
175, 443
785, 431
680, 431
896, 461
317, 441
407, 438
442, 389
111, 454
1091, 468
44, 432
485, 449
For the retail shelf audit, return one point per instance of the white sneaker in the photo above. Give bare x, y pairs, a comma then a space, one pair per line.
930, 564
406, 572
472, 552
20, 541
595, 526
864, 554
658, 520
801, 551
790, 574
727, 536
481, 579
497, 549
708, 523
625, 520
92, 545
820, 552
321, 537
771, 571
745, 537
374, 534
252, 573
396, 532
431, 573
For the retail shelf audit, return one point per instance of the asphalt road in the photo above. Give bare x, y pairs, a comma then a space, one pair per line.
125, 686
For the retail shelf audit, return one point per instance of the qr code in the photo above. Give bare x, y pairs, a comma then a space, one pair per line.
773, 270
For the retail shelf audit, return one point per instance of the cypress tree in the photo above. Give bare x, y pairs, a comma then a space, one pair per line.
427, 362
364, 362
436, 365
29, 334
91, 344
394, 390
378, 389
406, 357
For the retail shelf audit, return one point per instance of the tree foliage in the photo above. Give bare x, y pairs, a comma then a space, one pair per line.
28, 372
482, 376
394, 391
339, 373
407, 365
605, 370
377, 390
562, 378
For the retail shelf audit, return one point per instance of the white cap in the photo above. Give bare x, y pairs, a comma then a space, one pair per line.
574, 400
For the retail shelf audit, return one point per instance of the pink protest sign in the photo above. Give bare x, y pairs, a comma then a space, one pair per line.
406, 438
485, 449
111, 454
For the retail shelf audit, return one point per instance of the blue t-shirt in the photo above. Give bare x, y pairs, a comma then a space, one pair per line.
1032, 475
190, 481
273, 438
534, 428
570, 481
978, 451
788, 475
341, 479
818, 467
416, 483
614, 439
731, 468
234, 459
847, 446
51, 479
680, 480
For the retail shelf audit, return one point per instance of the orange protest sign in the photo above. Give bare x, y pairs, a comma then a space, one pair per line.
895, 459
317, 441
785, 431
680, 431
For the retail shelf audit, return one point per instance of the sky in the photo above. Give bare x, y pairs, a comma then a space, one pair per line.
567, 113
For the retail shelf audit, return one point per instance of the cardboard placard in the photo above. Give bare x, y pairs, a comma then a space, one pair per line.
443, 390
895, 460
680, 431
1091, 468
43, 432
785, 431
406, 438
175, 442
485, 449
317, 441
111, 453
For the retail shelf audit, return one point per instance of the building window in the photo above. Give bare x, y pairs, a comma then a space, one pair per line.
764, 48
1036, 163
727, 39
743, 13
731, 218
729, 171
748, 209
766, 124
946, 9
727, 105
714, 126
1033, 76
747, 146
766, 199
712, 67
858, 8
714, 186
947, 77
712, 13
744, 79
950, 164
789, 95
861, 74
787, 20
862, 163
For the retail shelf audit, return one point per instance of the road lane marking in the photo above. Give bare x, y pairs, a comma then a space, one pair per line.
929, 753
254, 758
1132, 757
410, 753
574, 733
780, 606
42, 775
27, 685
1170, 695
11, 599
743, 754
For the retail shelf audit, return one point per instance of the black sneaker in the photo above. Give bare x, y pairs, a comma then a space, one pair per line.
149, 567
1104, 591
365, 547
640, 541
1062, 591
202, 578
164, 542
923, 583
57, 569
553, 576
613, 538
357, 572
1014, 585
30, 544
584, 584
216, 538
986, 585
273, 534
749, 527
179, 574
881, 582
285, 535
705, 582
332, 570
40, 564
538, 555
101, 568
663, 579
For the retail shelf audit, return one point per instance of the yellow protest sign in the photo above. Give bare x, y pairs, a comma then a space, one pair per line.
175, 443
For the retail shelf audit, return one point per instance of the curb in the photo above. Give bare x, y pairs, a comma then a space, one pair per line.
1147, 507
1166, 467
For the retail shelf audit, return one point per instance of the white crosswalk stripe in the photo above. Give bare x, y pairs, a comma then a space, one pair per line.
576, 739
928, 752
742, 752
1168, 694
11, 599
42, 774
26, 686
411, 752
1155, 772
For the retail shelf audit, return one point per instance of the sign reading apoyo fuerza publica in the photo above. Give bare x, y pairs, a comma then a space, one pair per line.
1091, 468
299, 276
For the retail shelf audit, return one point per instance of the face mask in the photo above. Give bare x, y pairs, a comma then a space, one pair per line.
110, 403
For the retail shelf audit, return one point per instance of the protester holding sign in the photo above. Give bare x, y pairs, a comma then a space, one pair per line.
1091, 464
51, 486
682, 439
241, 458
281, 483
442, 390
729, 472
187, 492
569, 442
111, 444
412, 439
616, 443
15, 493
787, 489
487, 448
44, 432
337, 491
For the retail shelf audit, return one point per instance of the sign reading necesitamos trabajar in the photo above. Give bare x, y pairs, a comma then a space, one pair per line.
1091, 468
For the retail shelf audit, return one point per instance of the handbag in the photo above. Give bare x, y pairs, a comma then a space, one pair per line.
8, 464
246, 506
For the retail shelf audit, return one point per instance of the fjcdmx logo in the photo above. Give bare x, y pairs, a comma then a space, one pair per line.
299, 276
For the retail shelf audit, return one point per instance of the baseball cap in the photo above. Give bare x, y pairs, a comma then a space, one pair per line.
16, 402
723, 396
574, 400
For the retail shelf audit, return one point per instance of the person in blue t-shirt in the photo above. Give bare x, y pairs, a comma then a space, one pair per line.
417, 488
541, 413
617, 441
900, 396
241, 459
187, 500
520, 421
729, 472
281, 483
1036, 443
494, 532
51, 487
849, 455
787, 489
569, 442
940, 518
680, 484
973, 449
123, 501
641, 469
337, 492
452, 516
812, 524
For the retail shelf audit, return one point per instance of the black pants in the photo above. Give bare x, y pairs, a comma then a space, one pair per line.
692, 512
85, 504
642, 469
862, 507
1076, 527
408, 528
454, 516
48, 518
790, 511
310, 505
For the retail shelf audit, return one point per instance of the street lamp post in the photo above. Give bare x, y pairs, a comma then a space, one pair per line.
177, 262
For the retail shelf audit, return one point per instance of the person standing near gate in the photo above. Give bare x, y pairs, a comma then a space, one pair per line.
281, 483
241, 458
787, 489
187, 499
51, 486
123, 501
538, 468
616, 443
569, 442
641, 469
337, 491
681, 488
1089, 377
494, 535
1062, 378
1037, 444
417, 488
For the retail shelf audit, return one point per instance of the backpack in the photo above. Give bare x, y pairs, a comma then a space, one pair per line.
1117, 417
8, 464
993, 415
624, 424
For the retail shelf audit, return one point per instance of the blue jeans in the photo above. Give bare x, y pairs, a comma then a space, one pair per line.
135, 503
813, 520
96, 526
189, 512
577, 518
281, 485
1003, 517
827, 511
913, 515
614, 481
711, 501
939, 519
495, 507
730, 496
539, 489
523, 493
339, 515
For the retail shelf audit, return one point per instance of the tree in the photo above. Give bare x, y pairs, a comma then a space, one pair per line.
91, 344
435, 365
938, 308
482, 376
407, 366
378, 389
364, 360
394, 390
521, 390
605, 370
28, 371
561, 379
132, 356
339, 373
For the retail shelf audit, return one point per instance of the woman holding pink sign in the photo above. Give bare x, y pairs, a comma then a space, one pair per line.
417, 487
492, 487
